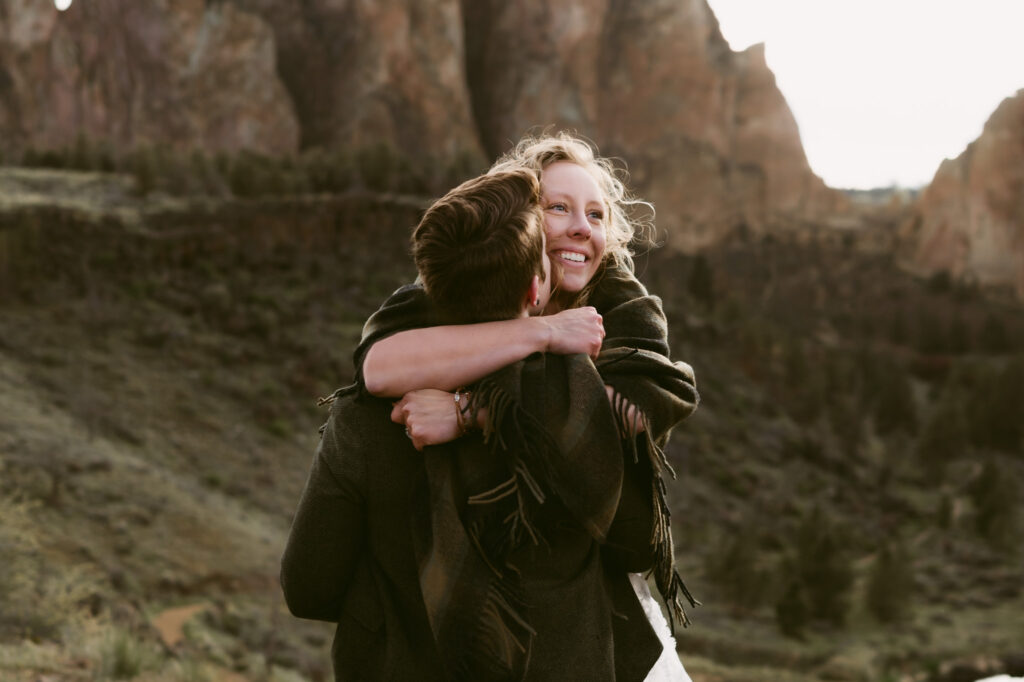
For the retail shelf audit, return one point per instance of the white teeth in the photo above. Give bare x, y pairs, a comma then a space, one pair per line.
571, 255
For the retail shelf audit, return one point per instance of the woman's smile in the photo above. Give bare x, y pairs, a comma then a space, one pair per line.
574, 221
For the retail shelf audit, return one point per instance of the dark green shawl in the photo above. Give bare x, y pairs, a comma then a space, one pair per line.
550, 431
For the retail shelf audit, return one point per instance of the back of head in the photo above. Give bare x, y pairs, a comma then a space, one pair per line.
478, 247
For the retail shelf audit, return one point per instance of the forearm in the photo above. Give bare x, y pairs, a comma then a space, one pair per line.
448, 357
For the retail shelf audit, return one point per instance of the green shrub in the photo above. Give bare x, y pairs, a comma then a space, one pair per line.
82, 155
931, 335
791, 611
734, 568
959, 335
143, 165
995, 406
996, 495
994, 337
123, 657
329, 172
940, 282
30, 157
894, 408
890, 585
823, 568
944, 437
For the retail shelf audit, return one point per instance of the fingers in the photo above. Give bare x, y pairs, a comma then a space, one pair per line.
399, 412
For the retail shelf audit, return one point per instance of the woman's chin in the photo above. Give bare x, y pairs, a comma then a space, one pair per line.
573, 283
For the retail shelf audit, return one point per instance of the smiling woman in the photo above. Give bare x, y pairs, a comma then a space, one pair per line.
574, 216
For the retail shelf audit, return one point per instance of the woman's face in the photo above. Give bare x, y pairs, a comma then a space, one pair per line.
575, 218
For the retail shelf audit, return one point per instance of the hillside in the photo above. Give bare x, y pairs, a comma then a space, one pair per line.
851, 479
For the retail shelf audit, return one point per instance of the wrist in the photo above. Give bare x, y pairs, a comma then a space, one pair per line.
463, 411
543, 336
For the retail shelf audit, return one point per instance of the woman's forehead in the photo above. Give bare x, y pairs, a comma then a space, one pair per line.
570, 178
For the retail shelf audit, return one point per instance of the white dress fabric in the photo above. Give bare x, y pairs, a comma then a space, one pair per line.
668, 667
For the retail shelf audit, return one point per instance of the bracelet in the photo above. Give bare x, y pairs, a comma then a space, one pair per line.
460, 411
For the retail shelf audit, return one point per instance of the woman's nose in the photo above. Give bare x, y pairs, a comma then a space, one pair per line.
580, 227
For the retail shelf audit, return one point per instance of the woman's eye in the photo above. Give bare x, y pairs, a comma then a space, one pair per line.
557, 207
596, 215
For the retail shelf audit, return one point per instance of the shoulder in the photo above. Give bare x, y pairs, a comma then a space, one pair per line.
408, 307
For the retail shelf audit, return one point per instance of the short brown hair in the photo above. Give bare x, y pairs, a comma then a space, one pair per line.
478, 246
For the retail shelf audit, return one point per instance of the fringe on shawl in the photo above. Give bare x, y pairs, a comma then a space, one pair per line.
329, 400
498, 642
666, 577
527, 462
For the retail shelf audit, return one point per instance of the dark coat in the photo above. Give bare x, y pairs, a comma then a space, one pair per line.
350, 559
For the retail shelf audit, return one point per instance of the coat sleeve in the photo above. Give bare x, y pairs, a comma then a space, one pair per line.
407, 308
327, 532
628, 544
635, 354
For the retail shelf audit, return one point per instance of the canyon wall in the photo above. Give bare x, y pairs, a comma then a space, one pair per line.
186, 73
970, 219
705, 132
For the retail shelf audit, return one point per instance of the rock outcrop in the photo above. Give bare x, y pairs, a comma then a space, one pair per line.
706, 133
970, 219
188, 73
389, 71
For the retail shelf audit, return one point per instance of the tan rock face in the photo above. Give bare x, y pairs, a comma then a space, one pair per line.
706, 134
362, 72
187, 73
970, 219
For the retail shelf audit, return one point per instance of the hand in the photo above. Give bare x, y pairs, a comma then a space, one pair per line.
428, 416
577, 330
634, 417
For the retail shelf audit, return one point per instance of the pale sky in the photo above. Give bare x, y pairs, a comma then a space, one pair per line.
883, 90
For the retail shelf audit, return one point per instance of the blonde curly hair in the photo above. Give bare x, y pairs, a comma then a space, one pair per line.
626, 224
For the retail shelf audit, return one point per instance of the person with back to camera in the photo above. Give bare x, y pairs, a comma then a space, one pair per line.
352, 558
407, 346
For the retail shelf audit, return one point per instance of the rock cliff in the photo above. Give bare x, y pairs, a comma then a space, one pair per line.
706, 134
187, 73
970, 219
387, 71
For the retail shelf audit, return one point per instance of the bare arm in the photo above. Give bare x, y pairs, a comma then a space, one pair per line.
448, 357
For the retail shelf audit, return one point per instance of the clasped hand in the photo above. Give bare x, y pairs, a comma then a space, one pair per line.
428, 415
